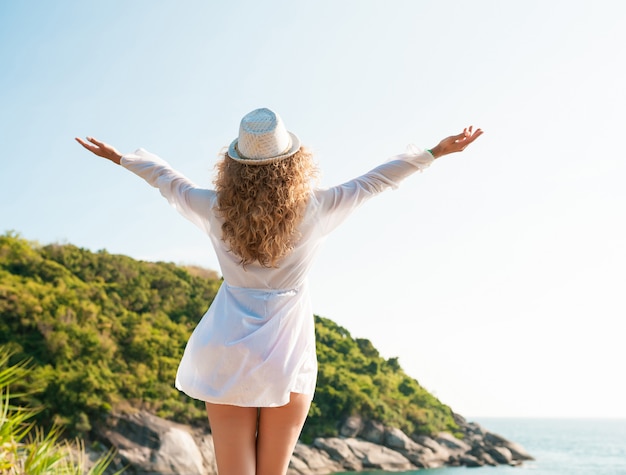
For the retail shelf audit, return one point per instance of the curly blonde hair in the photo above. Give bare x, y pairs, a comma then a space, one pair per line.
262, 205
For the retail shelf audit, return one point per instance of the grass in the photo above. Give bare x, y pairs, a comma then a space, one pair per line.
26, 449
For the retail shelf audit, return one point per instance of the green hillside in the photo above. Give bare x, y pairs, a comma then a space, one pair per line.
106, 332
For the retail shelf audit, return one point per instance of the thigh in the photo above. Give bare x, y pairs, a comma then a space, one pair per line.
234, 438
279, 429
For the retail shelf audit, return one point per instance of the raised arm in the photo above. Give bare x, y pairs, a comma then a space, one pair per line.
456, 143
101, 149
190, 200
338, 202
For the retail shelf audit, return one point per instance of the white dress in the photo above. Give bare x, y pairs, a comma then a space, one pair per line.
256, 343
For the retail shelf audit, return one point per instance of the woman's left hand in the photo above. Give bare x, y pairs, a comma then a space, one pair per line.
456, 143
101, 149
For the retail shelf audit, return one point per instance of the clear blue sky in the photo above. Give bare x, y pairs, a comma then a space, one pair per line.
497, 276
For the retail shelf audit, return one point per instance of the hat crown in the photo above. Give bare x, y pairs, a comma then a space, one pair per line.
262, 138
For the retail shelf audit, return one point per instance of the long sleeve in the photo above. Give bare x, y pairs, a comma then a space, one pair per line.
338, 202
193, 202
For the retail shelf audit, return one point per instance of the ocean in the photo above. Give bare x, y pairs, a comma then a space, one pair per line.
560, 447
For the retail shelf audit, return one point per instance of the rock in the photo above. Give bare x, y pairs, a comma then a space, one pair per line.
378, 457
477, 448
517, 451
501, 455
429, 443
355, 454
456, 445
470, 461
425, 459
339, 451
351, 426
374, 432
398, 440
311, 461
177, 453
494, 439
479, 454
475, 429
150, 444
488, 459
298, 467
428, 454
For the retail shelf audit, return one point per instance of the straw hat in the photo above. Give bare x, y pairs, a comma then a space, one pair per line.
263, 139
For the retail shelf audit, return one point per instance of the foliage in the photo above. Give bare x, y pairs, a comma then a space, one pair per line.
105, 331
26, 449
354, 379
101, 329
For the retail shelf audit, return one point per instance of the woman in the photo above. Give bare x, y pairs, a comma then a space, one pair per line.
252, 356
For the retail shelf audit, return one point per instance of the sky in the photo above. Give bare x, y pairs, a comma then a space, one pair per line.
496, 276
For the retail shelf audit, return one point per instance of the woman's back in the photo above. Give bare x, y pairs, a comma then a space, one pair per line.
255, 345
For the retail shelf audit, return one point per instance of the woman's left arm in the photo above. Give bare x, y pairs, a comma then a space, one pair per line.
338, 202
456, 143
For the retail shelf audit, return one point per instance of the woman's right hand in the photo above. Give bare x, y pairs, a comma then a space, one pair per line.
101, 149
456, 143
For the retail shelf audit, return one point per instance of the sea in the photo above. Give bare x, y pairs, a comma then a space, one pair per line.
559, 446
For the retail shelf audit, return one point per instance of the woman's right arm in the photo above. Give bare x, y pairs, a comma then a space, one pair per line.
190, 200
101, 149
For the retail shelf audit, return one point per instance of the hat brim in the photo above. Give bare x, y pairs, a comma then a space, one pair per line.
234, 153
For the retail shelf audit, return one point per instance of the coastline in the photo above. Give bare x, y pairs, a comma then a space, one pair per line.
561, 446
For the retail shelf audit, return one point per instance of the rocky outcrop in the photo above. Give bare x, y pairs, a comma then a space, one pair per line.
368, 445
149, 445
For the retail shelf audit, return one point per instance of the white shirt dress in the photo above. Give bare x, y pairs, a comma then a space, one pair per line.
256, 343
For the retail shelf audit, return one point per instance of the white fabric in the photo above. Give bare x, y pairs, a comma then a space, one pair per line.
256, 342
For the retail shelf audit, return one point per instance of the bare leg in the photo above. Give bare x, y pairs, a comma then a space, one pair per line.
279, 429
234, 437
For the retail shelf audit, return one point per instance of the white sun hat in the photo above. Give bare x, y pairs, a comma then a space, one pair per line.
263, 139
